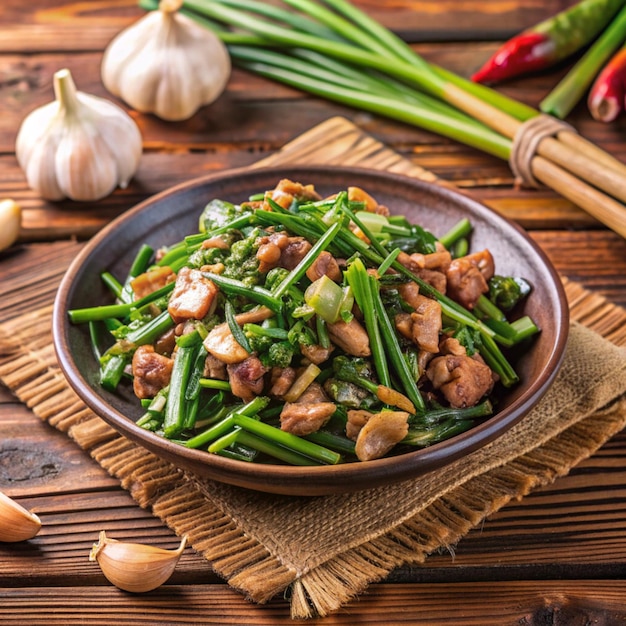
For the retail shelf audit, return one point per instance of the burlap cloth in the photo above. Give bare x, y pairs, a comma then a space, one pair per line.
323, 551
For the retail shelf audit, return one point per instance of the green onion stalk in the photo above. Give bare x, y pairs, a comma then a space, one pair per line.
348, 35
564, 97
283, 53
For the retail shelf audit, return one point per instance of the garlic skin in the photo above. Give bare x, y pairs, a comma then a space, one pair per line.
135, 567
166, 64
16, 522
10, 222
79, 146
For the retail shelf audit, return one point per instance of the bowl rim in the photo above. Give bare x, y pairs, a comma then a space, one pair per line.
286, 479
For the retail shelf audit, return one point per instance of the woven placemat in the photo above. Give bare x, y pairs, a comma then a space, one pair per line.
324, 551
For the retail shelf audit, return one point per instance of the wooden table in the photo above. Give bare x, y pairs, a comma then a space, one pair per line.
558, 556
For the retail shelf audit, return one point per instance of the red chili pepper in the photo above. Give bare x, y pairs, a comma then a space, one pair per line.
527, 52
607, 97
550, 41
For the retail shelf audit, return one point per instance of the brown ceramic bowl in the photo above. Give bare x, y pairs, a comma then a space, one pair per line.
169, 216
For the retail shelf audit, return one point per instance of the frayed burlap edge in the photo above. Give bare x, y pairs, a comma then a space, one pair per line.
28, 367
443, 523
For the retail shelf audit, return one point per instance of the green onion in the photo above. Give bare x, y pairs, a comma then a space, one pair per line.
175, 410
283, 438
461, 229
321, 244
112, 371
393, 350
227, 423
564, 97
271, 448
112, 283
235, 329
358, 279
255, 293
389, 259
212, 383
326, 298
80, 316
152, 330
263, 331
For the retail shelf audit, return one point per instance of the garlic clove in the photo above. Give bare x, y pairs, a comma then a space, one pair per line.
79, 146
16, 522
135, 567
10, 222
166, 64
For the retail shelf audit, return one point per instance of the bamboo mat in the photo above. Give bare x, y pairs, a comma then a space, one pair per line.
322, 552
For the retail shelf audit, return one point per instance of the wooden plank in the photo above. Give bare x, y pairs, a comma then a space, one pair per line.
596, 259
79, 25
37, 459
39, 466
467, 169
527, 602
273, 113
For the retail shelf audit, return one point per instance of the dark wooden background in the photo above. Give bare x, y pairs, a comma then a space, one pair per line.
556, 557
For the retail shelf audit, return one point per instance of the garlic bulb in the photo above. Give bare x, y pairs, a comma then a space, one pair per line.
10, 220
16, 522
135, 567
79, 146
166, 64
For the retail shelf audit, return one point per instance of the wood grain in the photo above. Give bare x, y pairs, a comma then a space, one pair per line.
556, 557
526, 603
253, 118
89, 25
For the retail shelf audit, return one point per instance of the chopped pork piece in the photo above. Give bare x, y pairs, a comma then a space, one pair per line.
357, 418
281, 381
356, 194
223, 346
324, 265
304, 419
423, 359
216, 242
404, 325
484, 262
351, 337
254, 316
270, 250
214, 368
295, 250
427, 324
312, 394
462, 379
439, 260
150, 281
166, 343
220, 341
433, 277
381, 433
192, 297
151, 371
246, 378
287, 190
451, 345
410, 293
268, 254
311, 411
424, 325
467, 277
408, 262
316, 354
308, 413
